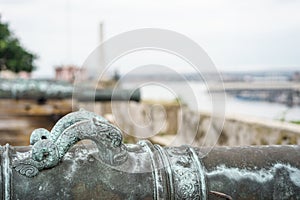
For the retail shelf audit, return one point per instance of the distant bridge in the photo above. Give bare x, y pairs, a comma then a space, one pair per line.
281, 92
237, 86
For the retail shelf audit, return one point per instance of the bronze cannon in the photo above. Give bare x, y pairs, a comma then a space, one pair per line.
43, 90
52, 168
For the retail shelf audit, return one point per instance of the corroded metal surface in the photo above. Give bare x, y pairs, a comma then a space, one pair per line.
49, 147
109, 169
266, 172
43, 90
27, 89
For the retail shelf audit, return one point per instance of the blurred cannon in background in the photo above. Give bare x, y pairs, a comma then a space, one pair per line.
43, 90
28, 104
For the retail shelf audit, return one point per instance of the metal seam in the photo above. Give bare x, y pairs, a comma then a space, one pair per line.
167, 166
201, 170
6, 172
145, 144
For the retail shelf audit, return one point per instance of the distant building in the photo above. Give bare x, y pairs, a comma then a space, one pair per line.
24, 75
69, 73
7, 74
296, 77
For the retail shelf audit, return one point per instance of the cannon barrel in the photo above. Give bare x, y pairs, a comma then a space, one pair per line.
110, 95
43, 90
52, 168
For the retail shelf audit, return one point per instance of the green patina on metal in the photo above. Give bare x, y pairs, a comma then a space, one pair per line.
42, 90
111, 169
49, 147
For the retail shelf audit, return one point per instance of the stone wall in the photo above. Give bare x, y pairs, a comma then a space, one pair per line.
140, 120
238, 131
169, 124
18, 118
165, 123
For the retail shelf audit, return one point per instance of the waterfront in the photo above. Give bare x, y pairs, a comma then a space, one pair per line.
199, 99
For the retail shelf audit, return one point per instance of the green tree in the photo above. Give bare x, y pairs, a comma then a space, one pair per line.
13, 56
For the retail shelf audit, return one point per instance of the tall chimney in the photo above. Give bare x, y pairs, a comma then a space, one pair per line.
102, 53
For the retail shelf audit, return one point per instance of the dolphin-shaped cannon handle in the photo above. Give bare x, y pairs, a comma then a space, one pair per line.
50, 147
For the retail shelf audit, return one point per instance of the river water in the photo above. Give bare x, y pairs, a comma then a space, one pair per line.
197, 97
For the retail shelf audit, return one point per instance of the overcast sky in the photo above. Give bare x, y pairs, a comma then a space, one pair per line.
242, 35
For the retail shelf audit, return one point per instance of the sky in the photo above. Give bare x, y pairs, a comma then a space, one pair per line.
237, 35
